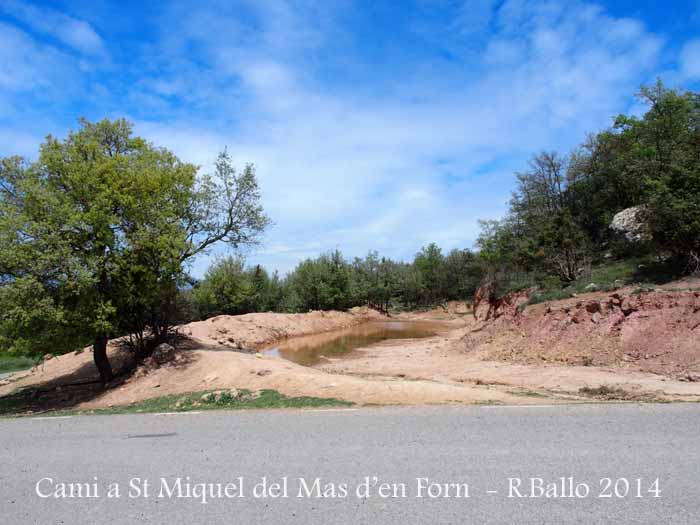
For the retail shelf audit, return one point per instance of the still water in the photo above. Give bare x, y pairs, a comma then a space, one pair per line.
311, 349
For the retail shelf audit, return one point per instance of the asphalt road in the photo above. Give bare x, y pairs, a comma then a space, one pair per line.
481, 447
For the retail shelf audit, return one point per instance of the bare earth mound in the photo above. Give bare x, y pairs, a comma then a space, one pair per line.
624, 345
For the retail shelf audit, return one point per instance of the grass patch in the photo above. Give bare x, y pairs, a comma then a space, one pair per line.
612, 393
607, 277
14, 363
213, 400
11, 404
604, 391
528, 393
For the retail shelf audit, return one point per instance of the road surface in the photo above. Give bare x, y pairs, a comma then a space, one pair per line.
415, 451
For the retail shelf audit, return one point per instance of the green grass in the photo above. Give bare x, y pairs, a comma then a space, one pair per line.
211, 400
11, 363
528, 393
11, 405
610, 276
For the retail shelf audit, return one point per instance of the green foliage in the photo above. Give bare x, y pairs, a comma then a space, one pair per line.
225, 289
666, 157
430, 264
12, 363
330, 282
16, 404
322, 283
95, 236
559, 216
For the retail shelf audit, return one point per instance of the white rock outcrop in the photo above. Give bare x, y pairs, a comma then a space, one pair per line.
630, 224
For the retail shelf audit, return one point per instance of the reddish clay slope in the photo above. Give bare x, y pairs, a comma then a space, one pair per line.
657, 331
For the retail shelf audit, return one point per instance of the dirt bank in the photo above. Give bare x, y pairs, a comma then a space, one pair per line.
251, 331
649, 331
643, 345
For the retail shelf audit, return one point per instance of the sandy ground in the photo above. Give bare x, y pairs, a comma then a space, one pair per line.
514, 359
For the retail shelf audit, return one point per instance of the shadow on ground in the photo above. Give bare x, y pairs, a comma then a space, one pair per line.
83, 384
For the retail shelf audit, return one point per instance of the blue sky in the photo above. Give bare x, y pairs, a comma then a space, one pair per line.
372, 124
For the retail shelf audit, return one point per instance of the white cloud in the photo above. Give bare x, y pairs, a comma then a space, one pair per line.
690, 59
385, 156
357, 167
72, 32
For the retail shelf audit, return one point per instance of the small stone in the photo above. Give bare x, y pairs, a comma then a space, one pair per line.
163, 353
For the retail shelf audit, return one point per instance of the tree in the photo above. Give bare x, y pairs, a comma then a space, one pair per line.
666, 157
462, 274
226, 289
321, 284
542, 218
430, 263
103, 225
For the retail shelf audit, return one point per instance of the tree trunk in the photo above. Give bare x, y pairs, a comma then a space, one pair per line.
101, 360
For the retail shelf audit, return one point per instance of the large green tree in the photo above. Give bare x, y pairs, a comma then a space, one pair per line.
96, 235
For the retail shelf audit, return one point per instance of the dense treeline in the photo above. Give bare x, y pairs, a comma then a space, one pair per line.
560, 213
96, 234
331, 282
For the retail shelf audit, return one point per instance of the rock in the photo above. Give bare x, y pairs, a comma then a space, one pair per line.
593, 287
592, 307
148, 364
630, 224
164, 353
579, 316
234, 393
47, 357
690, 378
263, 373
627, 306
157, 385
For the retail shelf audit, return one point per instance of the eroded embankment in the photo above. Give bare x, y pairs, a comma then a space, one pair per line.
650, 331
642, 345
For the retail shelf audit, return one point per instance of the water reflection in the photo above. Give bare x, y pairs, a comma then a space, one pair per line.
309, 350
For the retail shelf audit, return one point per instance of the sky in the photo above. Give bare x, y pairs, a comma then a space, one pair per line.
373, 125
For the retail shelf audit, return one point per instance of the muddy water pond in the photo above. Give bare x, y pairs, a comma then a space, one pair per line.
312, 349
